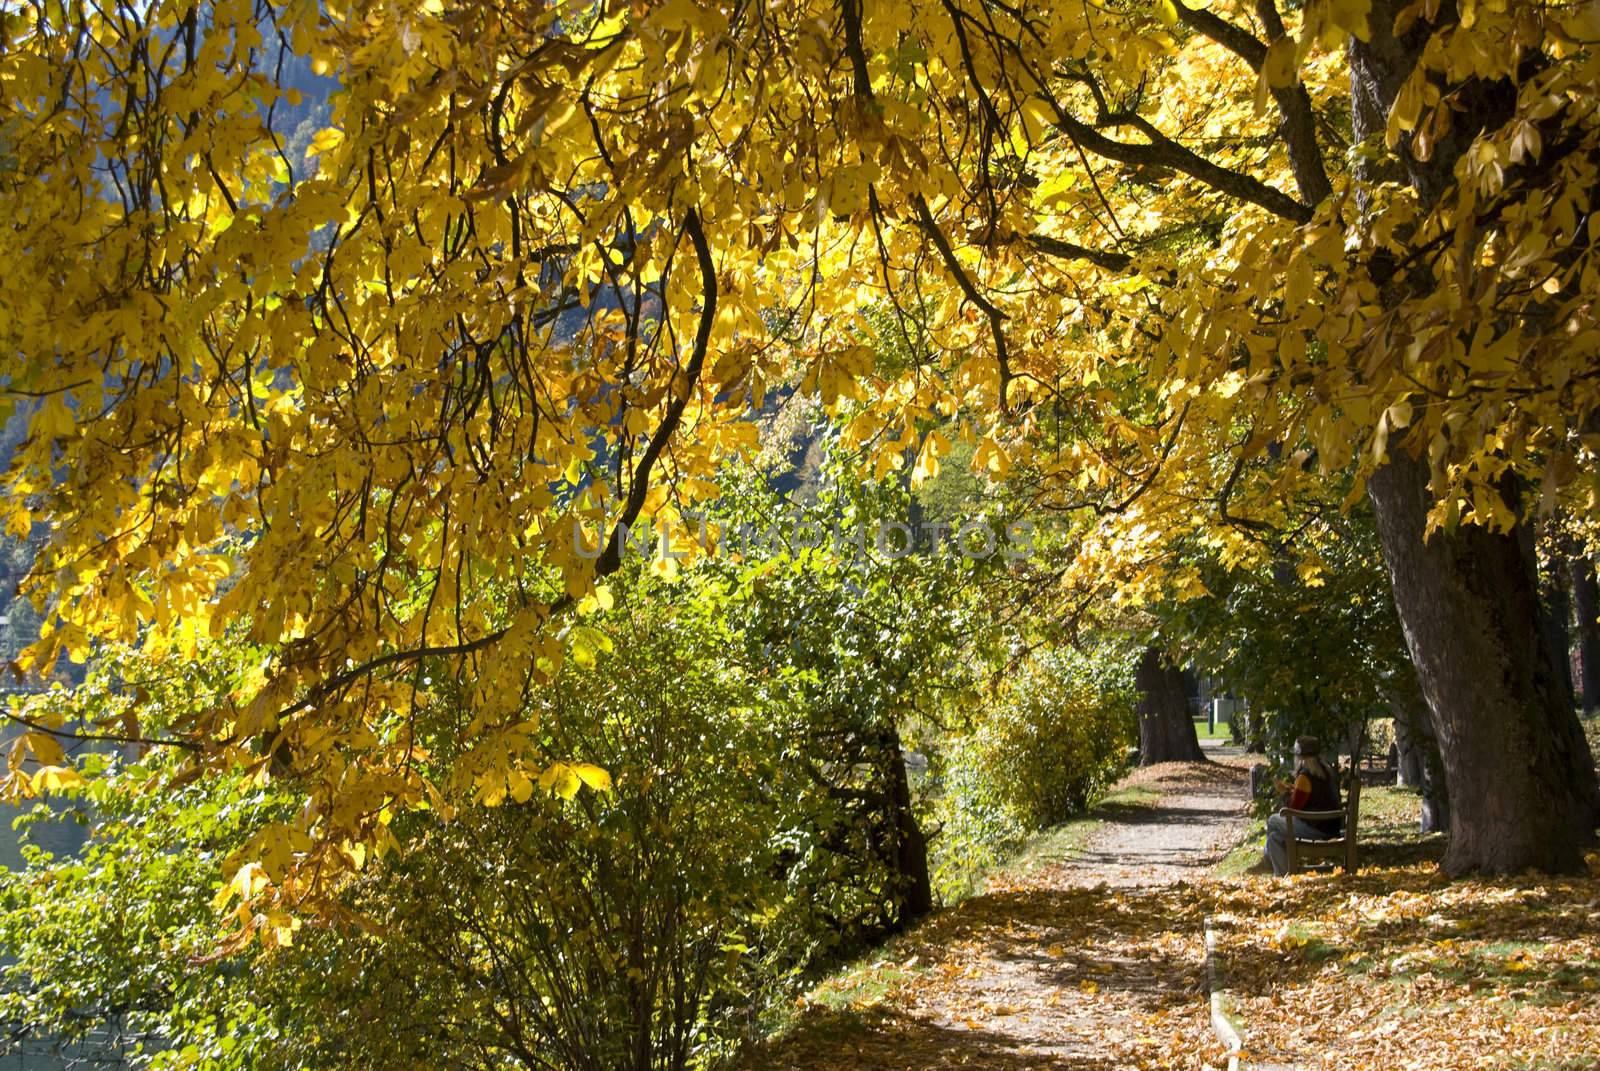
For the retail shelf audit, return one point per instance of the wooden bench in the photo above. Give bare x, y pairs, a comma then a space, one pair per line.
1340, 850
1378, 762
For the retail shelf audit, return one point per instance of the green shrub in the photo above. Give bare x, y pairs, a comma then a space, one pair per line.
635, 928
630, 929
1056, 736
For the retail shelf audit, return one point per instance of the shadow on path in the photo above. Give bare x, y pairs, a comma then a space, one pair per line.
1087, 964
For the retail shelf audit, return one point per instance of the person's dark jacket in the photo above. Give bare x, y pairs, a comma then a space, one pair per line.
1314, 792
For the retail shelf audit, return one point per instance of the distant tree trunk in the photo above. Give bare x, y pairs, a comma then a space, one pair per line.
1513, 751
1420, 764
1255, 735
1555, 609
1166, 731
1413, 767
1586, 603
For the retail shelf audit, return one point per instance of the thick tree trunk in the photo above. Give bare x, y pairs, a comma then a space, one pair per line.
1514, 754
1586, 603
1513, 751
1166, 731
914, 881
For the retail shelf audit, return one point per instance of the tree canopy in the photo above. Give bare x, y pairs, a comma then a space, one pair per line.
367, 407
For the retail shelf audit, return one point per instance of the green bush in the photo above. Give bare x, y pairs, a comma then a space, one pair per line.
635, 928
1056, 736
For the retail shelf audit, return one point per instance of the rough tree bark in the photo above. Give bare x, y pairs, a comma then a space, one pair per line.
914, 881
1586, 604
1166, 731
1512, 750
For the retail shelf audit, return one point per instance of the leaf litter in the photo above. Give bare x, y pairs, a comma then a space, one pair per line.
1096, 962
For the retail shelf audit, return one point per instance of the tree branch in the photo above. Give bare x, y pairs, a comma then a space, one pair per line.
1164, 152
109, 738
1057, 247
1227, 493
611, 558
1294, 103
996, 317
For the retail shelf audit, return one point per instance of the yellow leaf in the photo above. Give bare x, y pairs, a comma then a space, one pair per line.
45, 748
1281, 67
327, 138
593, 776
57, 778
573, 473
567, 784
560, 779
247, 881
1351, 16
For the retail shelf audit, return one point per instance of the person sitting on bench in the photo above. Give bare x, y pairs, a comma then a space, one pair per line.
1314, 789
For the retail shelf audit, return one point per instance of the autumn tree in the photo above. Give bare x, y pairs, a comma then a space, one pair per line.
1365, 314
543, 259
361, 404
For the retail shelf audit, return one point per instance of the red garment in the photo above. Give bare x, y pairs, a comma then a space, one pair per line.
1300, 795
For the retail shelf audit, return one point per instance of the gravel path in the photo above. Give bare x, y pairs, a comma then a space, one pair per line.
1092, 963
1200, 817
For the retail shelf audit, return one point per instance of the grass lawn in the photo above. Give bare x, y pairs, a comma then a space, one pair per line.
1063, 842
1203, 731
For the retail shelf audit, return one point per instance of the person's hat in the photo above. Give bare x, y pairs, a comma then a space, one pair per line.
1307, 745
